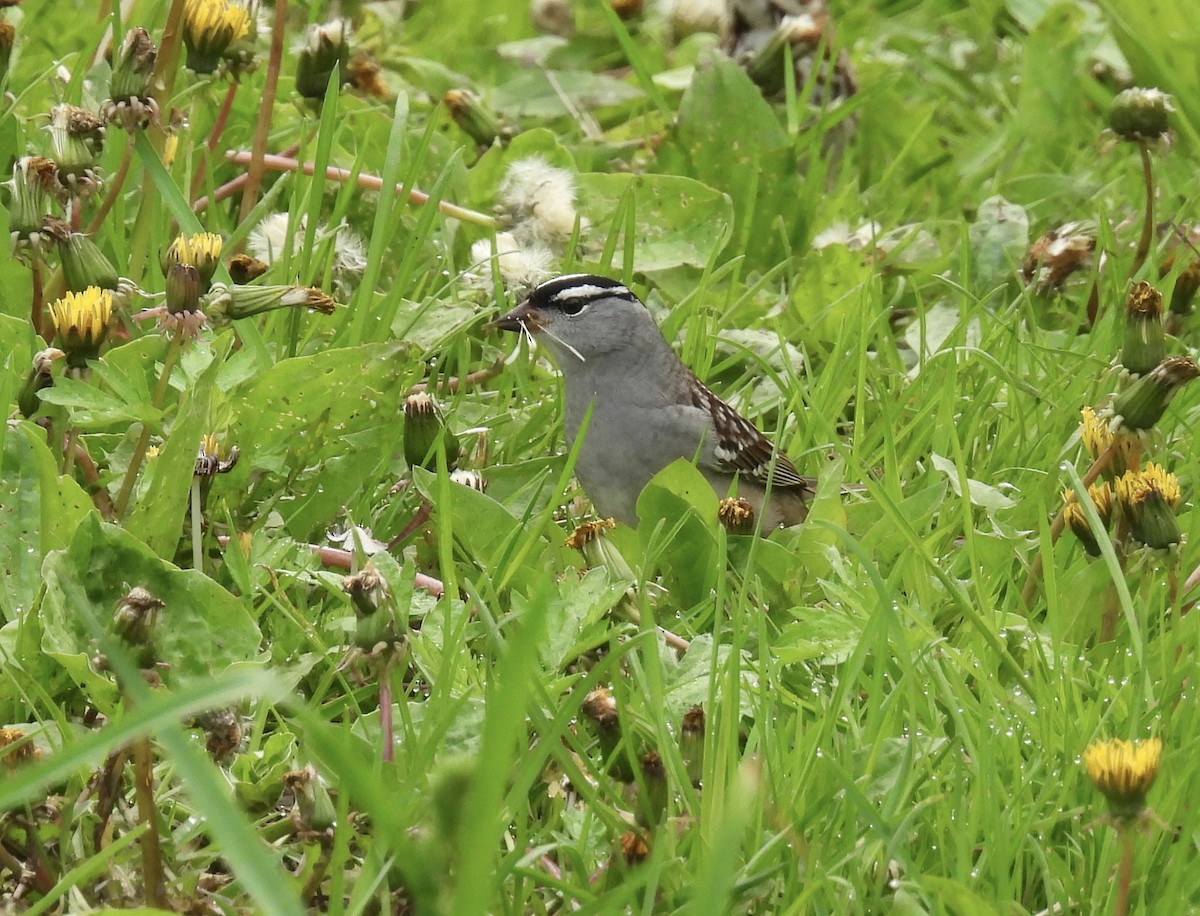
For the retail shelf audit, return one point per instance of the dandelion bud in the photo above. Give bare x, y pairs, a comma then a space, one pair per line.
1148, 498
33, 183
212, 459
134, 622
134, 67
183, 289
469, 113
326, 48
472, 480
423, 430
40, 377
16, 747
589, 539
691, 743
242, 54
1186, 285
1073, 514
1145, 343
1123, 771
450, 784
627, 9
366, 76
372, 599
652, 800
633, 848
1140, 115
314, 807
235, 302
555, 17
77, 137
130, 103
245, 269
209, 28
1054, 257
8, 38
736, 515
600, 709
84, 264
1144, 402
81, 324
222, 731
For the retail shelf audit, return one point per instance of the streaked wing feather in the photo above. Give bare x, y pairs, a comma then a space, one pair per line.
741, 449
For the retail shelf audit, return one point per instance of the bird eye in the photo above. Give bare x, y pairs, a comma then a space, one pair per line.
573, 306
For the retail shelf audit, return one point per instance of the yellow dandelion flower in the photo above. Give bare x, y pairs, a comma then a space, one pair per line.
81, 321
202, 250
1123, 771
736, 515
1148, 498
1097, 437
1073, 514
209, 28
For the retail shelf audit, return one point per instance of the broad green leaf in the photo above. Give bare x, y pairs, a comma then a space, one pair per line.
728, 138
680, 500
678, 220
999, 237
532, 95
980, 493
39, 511
202, 629
91, 408
157, 517
299, 414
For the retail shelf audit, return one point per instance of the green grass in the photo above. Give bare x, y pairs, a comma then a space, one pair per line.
888, 726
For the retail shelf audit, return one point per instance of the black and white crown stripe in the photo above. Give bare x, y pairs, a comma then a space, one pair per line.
576, 290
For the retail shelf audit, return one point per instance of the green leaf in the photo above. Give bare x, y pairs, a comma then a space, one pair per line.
158, 516
682, 501
301, 416
39, 511
981, 495
91, 408
531, 95
679, 221
202, 629
728, 138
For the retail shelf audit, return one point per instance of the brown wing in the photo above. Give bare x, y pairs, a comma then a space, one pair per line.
741, 449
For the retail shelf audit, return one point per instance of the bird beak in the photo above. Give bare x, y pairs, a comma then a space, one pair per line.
523, 318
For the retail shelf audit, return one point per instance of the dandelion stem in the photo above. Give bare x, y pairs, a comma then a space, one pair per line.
1124, 871
214, 137
233, 186
139, 451
266, 111
114, 189
165, 67
39, 299
452, 385
1060, 521
154, 887
197, 533
386, 726
1143, 248
368, 182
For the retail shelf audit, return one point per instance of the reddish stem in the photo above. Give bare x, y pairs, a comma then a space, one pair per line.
368, 182
266, 110
214, 138
232, 187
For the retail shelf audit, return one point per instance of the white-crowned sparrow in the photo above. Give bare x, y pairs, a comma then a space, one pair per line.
647, 407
